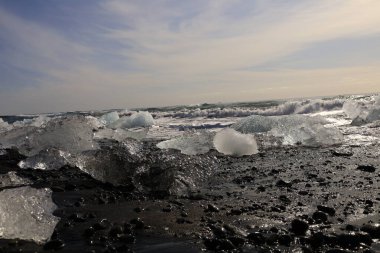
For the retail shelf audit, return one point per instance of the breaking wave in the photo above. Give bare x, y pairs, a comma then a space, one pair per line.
287, 108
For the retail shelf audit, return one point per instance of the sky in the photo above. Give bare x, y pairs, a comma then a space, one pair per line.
67, 55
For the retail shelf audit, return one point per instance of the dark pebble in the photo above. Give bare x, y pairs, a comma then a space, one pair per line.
212, 208
256, 238
319, 216
372, 230
282, 183
299, 227
366, 168
329, 210
139, 224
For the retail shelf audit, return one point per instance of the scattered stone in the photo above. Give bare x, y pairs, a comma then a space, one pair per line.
299, 227
366, 168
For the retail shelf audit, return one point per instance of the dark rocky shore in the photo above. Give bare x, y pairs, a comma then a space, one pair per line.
285, 199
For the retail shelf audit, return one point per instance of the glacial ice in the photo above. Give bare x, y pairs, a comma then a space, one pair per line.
293, 129
230, 142
120, 134
260, 124
312, 135
190, 143
354, 109
362, 113
11, 179
48, 159
26, 213
72, 134
139, 119
35, 122
4, 126
109, 118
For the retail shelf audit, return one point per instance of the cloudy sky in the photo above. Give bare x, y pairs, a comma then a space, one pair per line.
62, 55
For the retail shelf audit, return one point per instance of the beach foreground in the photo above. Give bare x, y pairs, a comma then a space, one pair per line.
288, 199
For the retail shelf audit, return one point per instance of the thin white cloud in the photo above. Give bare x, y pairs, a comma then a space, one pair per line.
181, 55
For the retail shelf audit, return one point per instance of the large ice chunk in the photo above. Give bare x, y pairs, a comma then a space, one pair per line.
260, 124
109, 118
191, 143
362, 113
230, 142
312, 135
294, 129
354, 109
71, 134
4, 126
139, 119
48, 159
11, 179
121, 134
26, 213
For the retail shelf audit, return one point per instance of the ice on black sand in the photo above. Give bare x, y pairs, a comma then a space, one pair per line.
26, 213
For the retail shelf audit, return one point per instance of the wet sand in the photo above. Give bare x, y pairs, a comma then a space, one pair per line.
285, 199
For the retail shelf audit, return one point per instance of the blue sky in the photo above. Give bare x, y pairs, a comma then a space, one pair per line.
85, 55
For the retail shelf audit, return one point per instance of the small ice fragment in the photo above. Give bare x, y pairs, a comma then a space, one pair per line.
11, 179
190, 144
231, 142
109, 118
139, 119
27, 213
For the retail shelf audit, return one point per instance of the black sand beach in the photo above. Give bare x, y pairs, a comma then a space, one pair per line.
285, 199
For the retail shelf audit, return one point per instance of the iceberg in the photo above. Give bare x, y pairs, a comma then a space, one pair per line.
27, 213
11, 179
231, 142
191, 143
139, 119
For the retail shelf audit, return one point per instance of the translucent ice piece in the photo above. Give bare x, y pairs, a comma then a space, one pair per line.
121, 134
109, 118
26, 213
259, 124
312, 135
71, 134
231, 142
48, 159
190, 144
